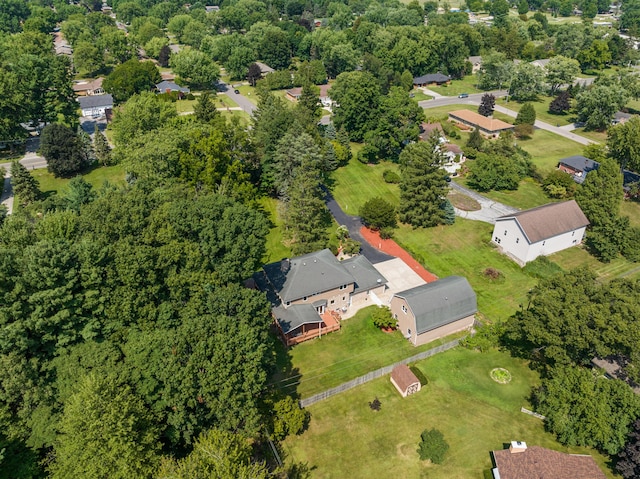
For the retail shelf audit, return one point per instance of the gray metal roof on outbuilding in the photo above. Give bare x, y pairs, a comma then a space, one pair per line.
441, 302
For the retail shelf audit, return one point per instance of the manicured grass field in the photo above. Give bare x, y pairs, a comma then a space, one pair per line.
354, 350
464, 249
356, 183
248, 92
575, 257
418, 95
632, 210
476, 415
97, 176
244, 117
464, 85
223, 101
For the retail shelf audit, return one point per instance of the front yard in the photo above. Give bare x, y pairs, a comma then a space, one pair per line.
476, 415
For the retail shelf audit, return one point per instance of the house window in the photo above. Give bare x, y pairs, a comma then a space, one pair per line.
404, 309
344, 298
505, 232
344, 286
288, 303
304, 299
543, 243
332, 301
573, 233
517, 240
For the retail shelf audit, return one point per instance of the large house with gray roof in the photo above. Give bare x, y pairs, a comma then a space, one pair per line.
434, 310
541, 231
307, 288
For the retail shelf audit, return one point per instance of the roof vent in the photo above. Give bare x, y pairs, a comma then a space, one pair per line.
304, 264
378, 281
315, 260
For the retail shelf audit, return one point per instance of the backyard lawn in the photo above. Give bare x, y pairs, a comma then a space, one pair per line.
97, 176
356, 183
356, 349
547, 148
464, 85
346, 438
599, 136
464, 249
276, 250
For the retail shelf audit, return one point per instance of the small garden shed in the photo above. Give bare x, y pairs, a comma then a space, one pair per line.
404, 380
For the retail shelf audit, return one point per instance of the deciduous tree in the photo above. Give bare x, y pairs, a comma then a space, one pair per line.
487, 104
596, 106
195, 67
63, 151
561, 71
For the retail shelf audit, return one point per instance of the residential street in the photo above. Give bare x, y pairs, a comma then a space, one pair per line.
475, 98
31, 161
241, 100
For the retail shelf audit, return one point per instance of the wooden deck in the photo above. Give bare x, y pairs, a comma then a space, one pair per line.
330, 323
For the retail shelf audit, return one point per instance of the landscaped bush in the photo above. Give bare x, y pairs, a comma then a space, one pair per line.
375, 405
391, 176
377, 214
432, 446
559, 184
383, 319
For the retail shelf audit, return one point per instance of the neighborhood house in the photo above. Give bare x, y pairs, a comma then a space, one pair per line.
520, 462
85, 88
318, 283
432, 79
325, 99
540, 231
167, 86
489, 127
434, 310
578, 166
95, 105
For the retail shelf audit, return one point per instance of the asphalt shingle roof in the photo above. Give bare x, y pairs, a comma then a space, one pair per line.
306, 275
441, 302
293, 317
550, 220
95, 101
366, 276
539, 463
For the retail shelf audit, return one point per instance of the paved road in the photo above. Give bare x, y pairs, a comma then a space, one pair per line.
489, 209
353, 224
242, 101
475, 98
31, 161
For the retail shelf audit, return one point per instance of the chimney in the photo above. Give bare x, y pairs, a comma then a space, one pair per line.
517, 447
285, 265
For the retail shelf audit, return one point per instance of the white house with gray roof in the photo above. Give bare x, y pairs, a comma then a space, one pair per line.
434, 310
540, 231
95, 105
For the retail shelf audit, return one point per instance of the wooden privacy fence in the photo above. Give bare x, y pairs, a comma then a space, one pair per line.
376, 374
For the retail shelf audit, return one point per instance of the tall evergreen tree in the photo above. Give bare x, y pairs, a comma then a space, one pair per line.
204, 109
475, 140
164, 56
25, 186
308, 107
293, 150
526, 115
101, 148
423, 188
306, 215
63, 150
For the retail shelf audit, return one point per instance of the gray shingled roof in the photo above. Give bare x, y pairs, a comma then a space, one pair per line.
431, 78
441, 302
550, 220
165, 85
95, 101
580, 163
295, 316
306, 275
366, 276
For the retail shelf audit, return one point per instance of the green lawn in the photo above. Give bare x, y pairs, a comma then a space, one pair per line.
574, 257
244, 117
528, 195
356, 183
599, 136
419, 95
223, 101
464, 85
185, 106
464, 249
276, 250
542, 110
248, 92
354, 350
547, 148
97, 176
346, 438
632, 210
